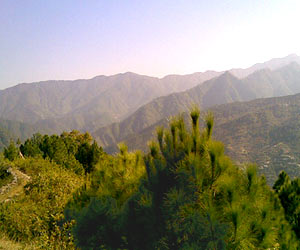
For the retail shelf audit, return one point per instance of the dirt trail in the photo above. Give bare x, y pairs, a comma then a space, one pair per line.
8, 193
15, 187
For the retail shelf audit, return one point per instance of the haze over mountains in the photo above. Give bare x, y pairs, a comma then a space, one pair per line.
265, 131
83, 104
91, 104
120, 107
14, 130
225, 88
272, 64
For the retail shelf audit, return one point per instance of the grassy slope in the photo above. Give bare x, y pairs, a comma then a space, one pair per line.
16, 188
14, 191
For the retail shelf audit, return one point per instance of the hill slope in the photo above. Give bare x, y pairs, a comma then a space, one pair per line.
83, 104
13, 130
223, 89
93, 103
265, 131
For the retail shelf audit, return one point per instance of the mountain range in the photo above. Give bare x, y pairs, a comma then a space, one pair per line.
225, 88
93, 103
256, 111
86, 104
263, 131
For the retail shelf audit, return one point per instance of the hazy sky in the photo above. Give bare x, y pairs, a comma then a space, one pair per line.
60, 39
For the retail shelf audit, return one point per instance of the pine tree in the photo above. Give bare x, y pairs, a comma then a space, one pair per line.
11, 152
190, 196
289, 194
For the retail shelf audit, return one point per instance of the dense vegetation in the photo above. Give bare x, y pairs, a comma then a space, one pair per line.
190, 197
5, 175
31, 211
184, 194
34, 215
71, 150
264, 131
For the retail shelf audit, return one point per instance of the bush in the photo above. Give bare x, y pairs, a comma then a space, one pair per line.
189, 196
5, 175
35, 214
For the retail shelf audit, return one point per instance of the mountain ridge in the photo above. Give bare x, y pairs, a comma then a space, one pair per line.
264, 131
113, 97
223, 89
89, 104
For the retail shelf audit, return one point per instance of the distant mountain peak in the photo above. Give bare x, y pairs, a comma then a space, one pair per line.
129, 73
227, 75
272, 64
97, 77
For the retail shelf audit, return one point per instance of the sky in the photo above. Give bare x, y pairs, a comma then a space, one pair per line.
76, 39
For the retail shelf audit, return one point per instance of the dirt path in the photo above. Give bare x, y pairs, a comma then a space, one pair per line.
15, 187
7, 193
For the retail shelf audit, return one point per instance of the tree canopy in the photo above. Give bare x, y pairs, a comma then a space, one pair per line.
189, 196
184, 193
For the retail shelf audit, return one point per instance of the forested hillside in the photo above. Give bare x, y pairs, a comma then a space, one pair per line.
265, 131
184, 194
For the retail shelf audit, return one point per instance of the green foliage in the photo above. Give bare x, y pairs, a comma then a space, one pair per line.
264, 131
31, 146
189, 196
115, 179
11, 152
55, 165
88, 155
72, 150
34, 215
185, 193
289, 194
5, 175
98, 225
